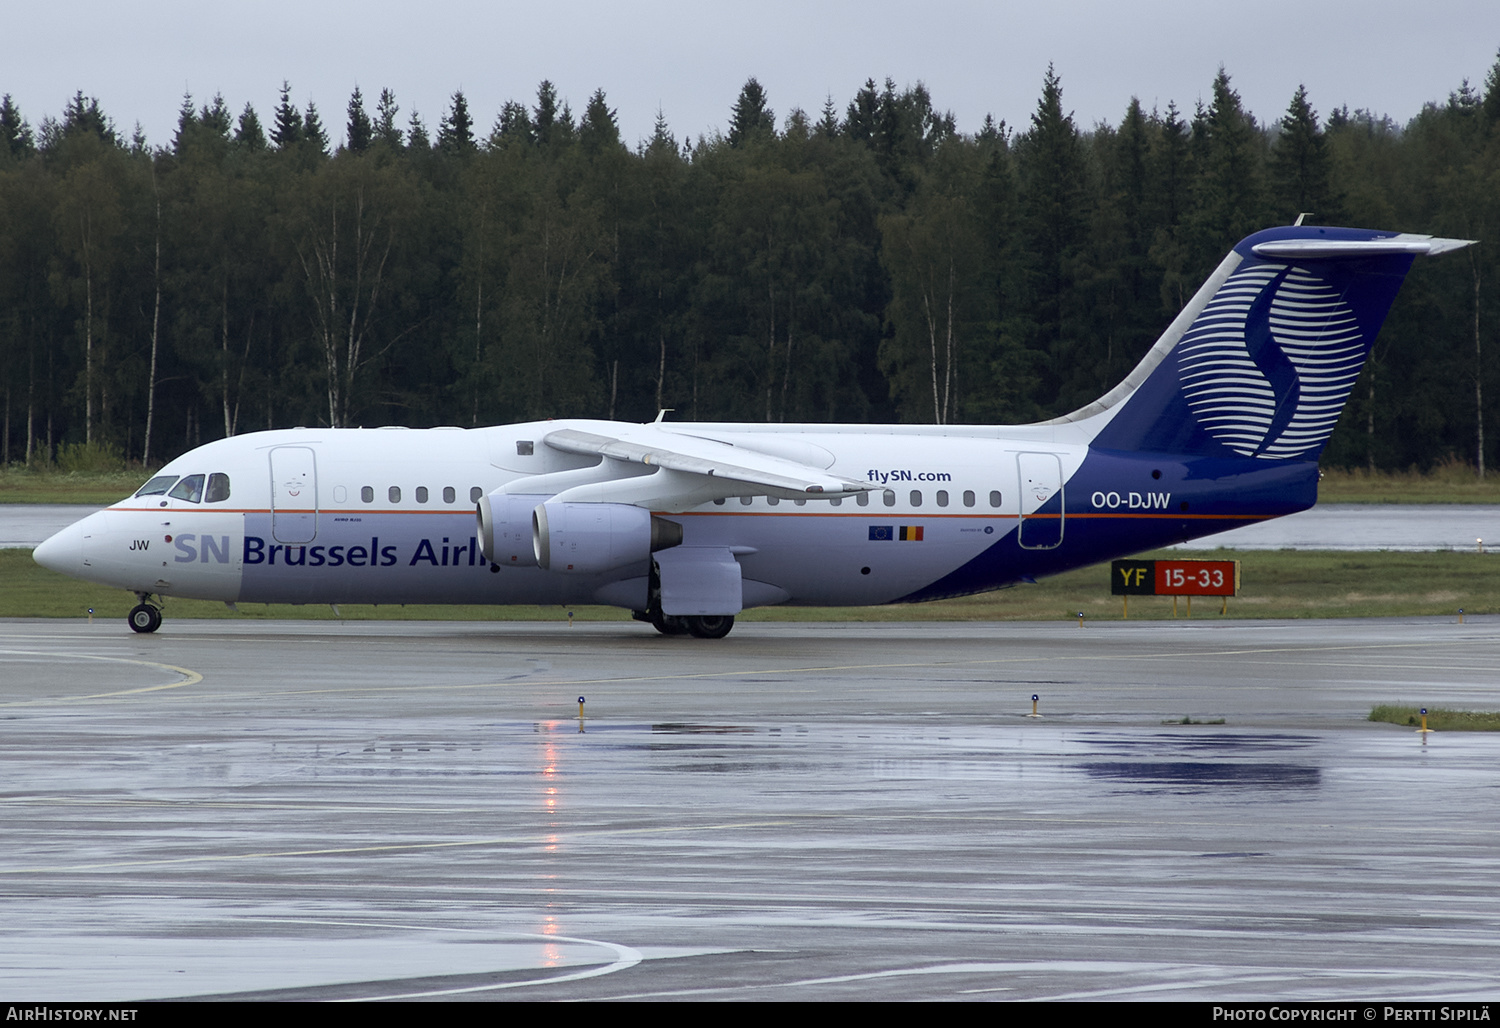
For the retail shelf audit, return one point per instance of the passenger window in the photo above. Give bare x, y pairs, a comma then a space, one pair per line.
475, 493
916, 497
837, 501
719, 502
889, 497
449, 494
190, 489
800, 503
157, 486
863, 499
394, 493
218, 488
994, 498
745, 500
942, 497
421, 494
367, 494
773, 500
968, 497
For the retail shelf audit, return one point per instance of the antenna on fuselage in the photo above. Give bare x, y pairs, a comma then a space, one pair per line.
661, 415
1304, 214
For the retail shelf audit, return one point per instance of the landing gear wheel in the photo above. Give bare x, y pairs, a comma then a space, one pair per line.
710, 626
144, 618
666, 624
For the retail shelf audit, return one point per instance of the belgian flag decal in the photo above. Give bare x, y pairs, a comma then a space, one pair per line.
887, 533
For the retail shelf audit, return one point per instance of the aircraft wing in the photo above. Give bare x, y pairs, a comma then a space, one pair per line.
712, 467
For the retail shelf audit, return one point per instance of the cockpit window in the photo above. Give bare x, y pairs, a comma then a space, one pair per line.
218, 488
157, 486
190, 489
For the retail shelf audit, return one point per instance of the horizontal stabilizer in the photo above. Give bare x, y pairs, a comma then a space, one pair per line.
1331, 249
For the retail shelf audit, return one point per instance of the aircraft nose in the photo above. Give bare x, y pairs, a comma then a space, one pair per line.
62, 552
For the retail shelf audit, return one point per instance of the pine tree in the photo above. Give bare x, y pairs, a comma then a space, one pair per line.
456, 133
248, 134
545, 114
1302, 167
599, 129
864, 109
751, 119
828, 124
1229, 199
215, 117
312, 131
386, 110
186, 122
1051, 160
416, 135
15, 135
1492, 96
662, 140
84, 117
359, 132
513, 126
1171, 157
287, 131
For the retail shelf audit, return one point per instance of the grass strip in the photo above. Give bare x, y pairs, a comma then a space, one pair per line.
1439, 719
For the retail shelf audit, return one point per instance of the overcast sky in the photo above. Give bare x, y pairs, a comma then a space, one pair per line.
690, 59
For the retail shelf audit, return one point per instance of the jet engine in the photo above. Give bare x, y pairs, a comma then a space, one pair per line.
505, 528
589, 538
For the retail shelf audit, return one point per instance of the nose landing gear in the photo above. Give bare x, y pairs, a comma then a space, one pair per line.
144, 617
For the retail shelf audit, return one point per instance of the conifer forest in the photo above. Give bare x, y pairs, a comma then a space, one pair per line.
862, 263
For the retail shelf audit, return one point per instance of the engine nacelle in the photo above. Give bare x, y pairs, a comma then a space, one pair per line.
589, 538
505, 528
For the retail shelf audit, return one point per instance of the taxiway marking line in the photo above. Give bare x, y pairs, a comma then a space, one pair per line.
625, 958
189, 677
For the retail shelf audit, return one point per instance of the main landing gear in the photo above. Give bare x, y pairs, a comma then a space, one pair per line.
710, 626
702, 626
707, 626
144, 617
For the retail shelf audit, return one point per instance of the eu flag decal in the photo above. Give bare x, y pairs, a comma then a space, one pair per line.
889, 533
882, 533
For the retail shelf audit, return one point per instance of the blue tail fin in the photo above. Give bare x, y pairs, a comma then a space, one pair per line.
1261, 362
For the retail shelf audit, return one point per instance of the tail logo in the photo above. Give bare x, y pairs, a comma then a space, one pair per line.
1267, 366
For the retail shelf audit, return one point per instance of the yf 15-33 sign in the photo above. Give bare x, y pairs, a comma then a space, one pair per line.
1174, 578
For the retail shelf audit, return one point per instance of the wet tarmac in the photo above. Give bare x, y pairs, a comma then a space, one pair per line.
805, 812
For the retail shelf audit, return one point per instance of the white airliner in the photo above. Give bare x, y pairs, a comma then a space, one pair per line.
688, 524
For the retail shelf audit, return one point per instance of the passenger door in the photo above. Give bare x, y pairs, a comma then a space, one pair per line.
294, 494
1041, 500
